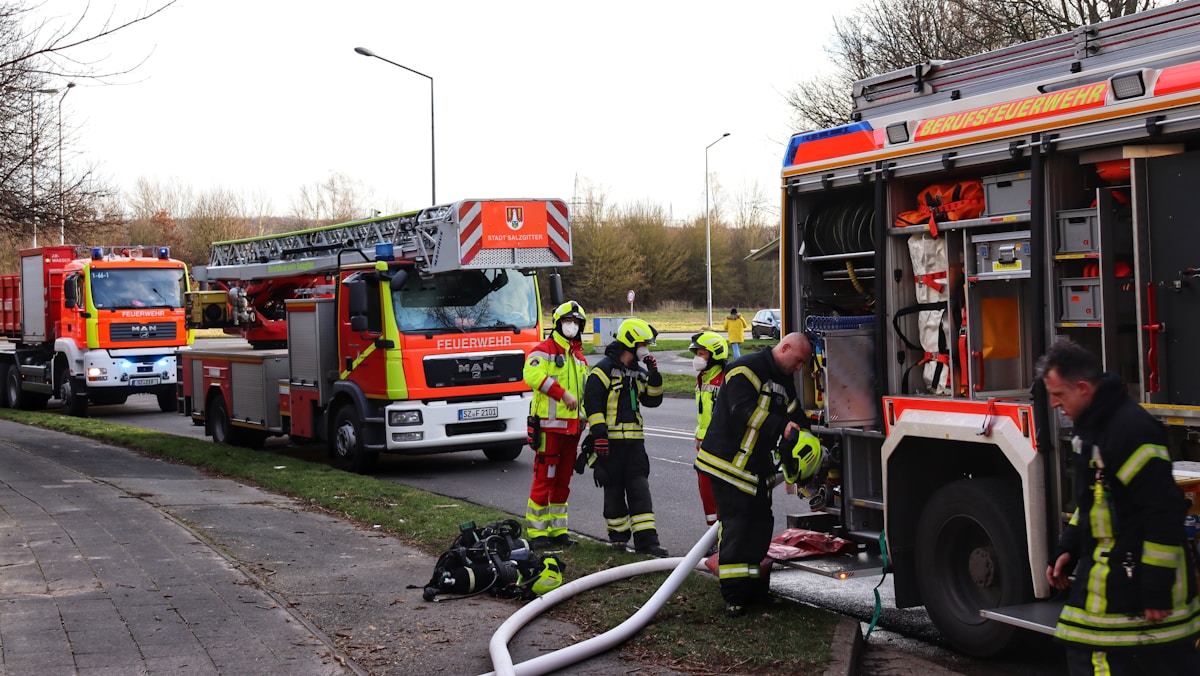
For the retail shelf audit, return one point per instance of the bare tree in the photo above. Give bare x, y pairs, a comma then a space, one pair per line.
886, 35
338, 199
38, 57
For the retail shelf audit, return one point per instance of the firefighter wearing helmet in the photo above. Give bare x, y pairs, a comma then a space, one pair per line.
711, 354
556, 371
617, 388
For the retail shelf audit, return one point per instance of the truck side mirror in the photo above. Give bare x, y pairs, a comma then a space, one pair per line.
70, 289
356, 297
358, 323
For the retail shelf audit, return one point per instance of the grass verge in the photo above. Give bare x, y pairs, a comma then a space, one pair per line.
690, 633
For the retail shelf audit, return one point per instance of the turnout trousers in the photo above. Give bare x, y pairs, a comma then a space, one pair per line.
553, 465
746, 527
628, 507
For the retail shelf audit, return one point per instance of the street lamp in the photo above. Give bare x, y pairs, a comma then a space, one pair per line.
708, 231
33, 158
61, 211
432, 155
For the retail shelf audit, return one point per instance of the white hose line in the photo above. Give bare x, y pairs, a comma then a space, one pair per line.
559, 659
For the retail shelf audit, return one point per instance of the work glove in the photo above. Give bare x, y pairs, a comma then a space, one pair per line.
599, 470
651, 364
585, 455
600, 445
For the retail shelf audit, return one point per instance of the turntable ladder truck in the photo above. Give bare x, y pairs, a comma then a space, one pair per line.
973, 212
402, 334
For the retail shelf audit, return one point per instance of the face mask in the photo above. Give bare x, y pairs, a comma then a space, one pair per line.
699, 363
643, 352
570, 330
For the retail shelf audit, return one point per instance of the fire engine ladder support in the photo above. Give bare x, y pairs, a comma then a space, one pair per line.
413, 235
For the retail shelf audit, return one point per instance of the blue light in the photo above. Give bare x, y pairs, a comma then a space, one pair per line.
384, 252
164, 252
97, 253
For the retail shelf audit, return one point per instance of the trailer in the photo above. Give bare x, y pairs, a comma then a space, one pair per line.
401, 334
92, 325
971, 213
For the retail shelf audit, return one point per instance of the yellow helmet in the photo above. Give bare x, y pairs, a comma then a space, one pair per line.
550, 577
633, 331
717, 346
570, 309
803, 459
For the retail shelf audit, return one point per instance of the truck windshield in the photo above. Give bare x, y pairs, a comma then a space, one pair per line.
116, 288
466, 300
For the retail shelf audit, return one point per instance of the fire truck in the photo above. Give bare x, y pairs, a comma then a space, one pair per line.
971, 213
92, 325
402, 334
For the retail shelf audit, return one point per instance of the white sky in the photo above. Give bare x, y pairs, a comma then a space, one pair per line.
268, 95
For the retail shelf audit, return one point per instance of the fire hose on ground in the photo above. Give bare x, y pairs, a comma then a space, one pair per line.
562, 658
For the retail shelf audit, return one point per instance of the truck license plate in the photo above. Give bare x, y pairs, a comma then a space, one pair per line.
143, 382
478, 413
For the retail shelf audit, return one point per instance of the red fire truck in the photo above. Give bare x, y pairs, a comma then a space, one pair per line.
92, 325
971, 213
404, 334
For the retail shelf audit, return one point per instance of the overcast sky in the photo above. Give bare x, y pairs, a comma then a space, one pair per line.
530, 97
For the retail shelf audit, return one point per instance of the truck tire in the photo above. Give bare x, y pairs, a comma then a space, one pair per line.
167, 402
222, 430
18, 398
971, 554
74, 398
346, 443
4, 384
504, 453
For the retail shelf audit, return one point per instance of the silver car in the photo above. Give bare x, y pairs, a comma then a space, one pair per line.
766, 323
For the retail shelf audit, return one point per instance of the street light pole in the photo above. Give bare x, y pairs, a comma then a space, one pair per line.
33, 157
62, 221
432, 154
708, 231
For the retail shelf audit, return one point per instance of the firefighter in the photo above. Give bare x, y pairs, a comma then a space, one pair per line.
617, 388
757, 405
1133, 602
556, 371
711, 354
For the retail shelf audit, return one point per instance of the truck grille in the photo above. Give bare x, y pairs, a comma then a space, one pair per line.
133, 332
478, 370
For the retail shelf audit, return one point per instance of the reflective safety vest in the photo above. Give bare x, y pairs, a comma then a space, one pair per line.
553, 368
707, 386
615, 393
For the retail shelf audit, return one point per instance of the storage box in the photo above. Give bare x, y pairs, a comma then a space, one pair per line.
1006, 193
1077, 231
1002, 254
1080, 299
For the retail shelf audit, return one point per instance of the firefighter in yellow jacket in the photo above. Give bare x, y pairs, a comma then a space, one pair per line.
617, 387
711, 353
556, 370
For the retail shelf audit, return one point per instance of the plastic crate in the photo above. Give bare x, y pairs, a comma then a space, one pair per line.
1006, 193
1080, 299
1077, 231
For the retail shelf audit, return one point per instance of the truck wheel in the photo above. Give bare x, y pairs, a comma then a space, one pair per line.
74, 399
223, 431
4, 401
346, 443
167, 402
18, 398
971, 554
504, 453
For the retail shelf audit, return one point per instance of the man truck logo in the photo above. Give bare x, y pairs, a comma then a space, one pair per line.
143, 330
514, 217
476, 369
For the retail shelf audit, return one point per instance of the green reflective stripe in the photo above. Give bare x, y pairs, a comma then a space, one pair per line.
595, 418
642, 522
1138, 460
1097, 582
538, 518
729, 571
1128, 631
1100, 663
1099, 515
1165, 556
1075, 517
654, 390
718, 468
745, 371
619, 524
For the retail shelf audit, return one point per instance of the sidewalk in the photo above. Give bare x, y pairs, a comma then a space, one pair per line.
115, 563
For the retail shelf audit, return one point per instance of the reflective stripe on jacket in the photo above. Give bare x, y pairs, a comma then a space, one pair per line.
615, 393
553, 368
708, 384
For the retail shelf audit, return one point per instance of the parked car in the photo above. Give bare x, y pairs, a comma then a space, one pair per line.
766, 323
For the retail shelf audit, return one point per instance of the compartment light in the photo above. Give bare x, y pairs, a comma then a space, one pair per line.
1128, 85
897, 132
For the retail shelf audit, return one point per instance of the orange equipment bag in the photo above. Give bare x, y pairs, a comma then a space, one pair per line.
943, 202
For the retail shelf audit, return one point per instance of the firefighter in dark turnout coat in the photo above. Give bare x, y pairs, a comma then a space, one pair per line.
1133, 602
757, 405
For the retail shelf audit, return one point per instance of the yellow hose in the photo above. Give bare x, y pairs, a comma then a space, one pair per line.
854, 278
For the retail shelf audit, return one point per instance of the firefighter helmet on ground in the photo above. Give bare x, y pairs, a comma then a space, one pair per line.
633, 331
801, 459
717, 346
569, 309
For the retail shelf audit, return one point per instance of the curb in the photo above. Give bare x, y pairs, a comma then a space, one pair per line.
846, 646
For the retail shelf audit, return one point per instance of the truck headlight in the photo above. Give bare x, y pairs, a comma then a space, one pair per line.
397, 418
